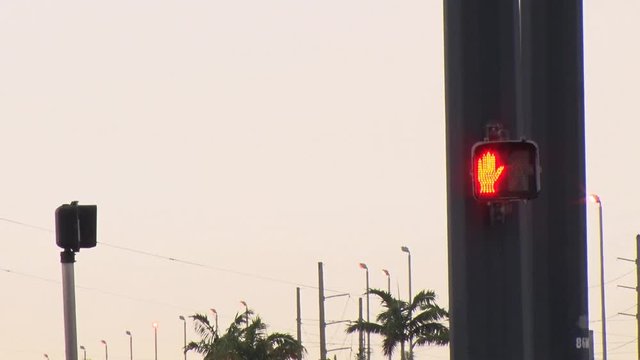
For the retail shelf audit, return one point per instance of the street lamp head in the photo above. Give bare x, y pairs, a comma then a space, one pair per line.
363, 266
82, 347
104, 342
214, 311
155, 325
243, 303
181, 318
46, 356
405, 249
386, 272
594, 199
128, 332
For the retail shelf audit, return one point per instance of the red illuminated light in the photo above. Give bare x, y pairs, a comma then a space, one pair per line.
505, 170
487, 174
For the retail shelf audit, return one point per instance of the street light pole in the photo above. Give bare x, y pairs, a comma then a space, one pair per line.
215, 314
406, 249
386, 272
155, 340
596, 199
246, 313
84, 352
364, 266
322, 323
130, 344
184, 349
106, 351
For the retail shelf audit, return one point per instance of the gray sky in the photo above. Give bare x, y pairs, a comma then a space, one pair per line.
255, 138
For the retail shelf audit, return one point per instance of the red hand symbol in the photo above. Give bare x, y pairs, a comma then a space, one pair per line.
487, 174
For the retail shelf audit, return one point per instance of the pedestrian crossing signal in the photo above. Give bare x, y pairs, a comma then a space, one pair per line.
76, 226
505, 170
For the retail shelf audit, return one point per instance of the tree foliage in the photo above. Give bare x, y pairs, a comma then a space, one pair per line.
245, 339
420, 321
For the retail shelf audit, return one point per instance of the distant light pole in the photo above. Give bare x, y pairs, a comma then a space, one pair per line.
596, 199
215, 314
246, 308
106, 351
84, 352
130, 344
386, 272
364, 266
406, 249
46, 356
155, 339
185, 335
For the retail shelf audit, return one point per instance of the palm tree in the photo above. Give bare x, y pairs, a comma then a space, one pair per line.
400, 321
207, 332
243, 340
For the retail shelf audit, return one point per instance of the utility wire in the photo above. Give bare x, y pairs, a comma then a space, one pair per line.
110, 293
342, 317
625, 344
181, 261
26, 225
614, 279
630, 307
615, 315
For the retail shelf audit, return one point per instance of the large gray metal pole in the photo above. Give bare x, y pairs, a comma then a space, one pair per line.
67, 258
298, 322
323, 324
485, 275
553, 84
518, 289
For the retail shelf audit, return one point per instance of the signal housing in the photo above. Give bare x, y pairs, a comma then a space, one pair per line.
505, 170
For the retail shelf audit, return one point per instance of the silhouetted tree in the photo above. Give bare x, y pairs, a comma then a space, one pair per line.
245, 339
399, 321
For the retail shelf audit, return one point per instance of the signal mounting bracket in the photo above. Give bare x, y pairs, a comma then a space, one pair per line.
495, 132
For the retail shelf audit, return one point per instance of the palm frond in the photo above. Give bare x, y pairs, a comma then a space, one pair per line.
203, 328
433, 334
386, 298
368, 327
423, 299
399, 321
246, 338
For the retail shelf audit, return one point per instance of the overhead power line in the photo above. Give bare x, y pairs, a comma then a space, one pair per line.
614, 279
178, 260
26, 225
625, 344
110, 293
